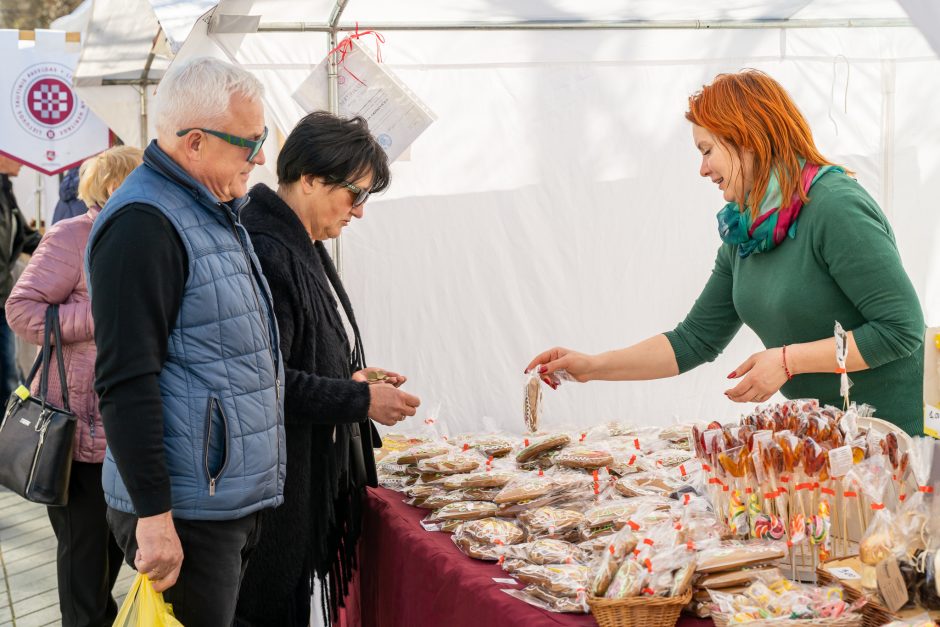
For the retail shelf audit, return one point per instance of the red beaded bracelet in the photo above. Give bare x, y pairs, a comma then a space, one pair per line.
785, 368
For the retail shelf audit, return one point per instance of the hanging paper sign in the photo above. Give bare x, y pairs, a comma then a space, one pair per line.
367, 88
45, 125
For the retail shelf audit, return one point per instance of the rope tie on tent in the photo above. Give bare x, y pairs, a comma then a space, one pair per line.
346, 46
832, 90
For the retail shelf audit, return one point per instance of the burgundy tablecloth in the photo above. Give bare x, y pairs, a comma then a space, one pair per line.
413, 578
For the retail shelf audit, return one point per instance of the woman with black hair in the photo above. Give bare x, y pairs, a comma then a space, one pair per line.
326, 172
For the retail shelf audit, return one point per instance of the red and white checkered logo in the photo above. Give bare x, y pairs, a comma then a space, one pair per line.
45, 105
50, 101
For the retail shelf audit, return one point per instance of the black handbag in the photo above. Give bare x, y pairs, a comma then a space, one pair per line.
36, 437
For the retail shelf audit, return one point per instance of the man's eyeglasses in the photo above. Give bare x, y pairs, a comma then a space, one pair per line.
253, 145
362, 194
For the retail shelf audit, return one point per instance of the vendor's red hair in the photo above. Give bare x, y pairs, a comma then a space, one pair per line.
751, 111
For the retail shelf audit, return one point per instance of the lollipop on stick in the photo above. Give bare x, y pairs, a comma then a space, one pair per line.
731, 462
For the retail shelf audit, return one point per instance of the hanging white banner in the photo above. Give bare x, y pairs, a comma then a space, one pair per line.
43, 123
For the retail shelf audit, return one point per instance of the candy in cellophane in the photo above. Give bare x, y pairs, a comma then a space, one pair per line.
880, 537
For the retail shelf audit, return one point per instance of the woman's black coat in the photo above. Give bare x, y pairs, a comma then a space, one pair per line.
329, 436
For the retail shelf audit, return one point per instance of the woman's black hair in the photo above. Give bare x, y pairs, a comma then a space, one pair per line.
336, 149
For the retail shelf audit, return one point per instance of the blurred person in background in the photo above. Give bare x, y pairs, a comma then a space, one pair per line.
69, 205
88, 558
16, 237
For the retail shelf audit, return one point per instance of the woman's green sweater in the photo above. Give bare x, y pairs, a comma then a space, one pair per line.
843, 265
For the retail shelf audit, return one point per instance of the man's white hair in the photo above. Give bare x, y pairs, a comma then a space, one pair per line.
197, 93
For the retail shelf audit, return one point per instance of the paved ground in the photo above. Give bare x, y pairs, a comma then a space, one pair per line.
28, 595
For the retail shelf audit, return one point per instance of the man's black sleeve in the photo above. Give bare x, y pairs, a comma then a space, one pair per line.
138, 270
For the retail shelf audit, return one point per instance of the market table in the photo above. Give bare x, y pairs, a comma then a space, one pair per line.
414, 578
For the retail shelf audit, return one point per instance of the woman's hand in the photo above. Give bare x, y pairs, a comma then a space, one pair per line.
577, 365
763, 374
389, 406
379, 375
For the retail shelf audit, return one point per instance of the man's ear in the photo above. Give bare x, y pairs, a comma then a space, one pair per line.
194, 145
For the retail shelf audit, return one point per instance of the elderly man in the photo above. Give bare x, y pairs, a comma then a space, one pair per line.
15, 238
188, 368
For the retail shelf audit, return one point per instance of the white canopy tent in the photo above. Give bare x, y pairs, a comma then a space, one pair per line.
556, 199
112, 76
128, 46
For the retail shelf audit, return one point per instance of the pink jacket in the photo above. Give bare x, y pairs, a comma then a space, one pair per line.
54, 275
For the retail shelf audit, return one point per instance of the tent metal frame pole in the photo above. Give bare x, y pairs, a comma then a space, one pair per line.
144, 77
135, 82
333, 85
333, 27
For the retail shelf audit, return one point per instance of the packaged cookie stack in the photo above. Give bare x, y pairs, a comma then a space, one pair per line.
728, 582
730, 566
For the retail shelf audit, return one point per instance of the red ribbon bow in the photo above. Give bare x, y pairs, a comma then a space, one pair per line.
346, 46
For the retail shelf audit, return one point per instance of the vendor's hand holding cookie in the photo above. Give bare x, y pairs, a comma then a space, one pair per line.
575, 365
388, 405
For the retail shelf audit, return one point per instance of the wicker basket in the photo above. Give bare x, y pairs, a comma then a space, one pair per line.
848, 620
875, 613
640, 611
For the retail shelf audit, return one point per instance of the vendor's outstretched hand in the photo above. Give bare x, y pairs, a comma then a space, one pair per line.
763, 374
577, 365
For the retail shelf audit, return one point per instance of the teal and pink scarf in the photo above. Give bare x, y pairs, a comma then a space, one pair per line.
774, 222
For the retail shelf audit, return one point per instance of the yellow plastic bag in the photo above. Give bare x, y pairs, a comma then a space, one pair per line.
145, 607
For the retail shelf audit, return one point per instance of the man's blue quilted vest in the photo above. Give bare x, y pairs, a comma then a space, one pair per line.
223, 405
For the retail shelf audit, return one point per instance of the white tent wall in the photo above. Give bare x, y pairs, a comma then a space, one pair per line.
121, 36
556, 200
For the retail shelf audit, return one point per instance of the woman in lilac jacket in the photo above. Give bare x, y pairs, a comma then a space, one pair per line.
88, 557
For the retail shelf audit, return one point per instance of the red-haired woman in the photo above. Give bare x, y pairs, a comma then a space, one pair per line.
788, 270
